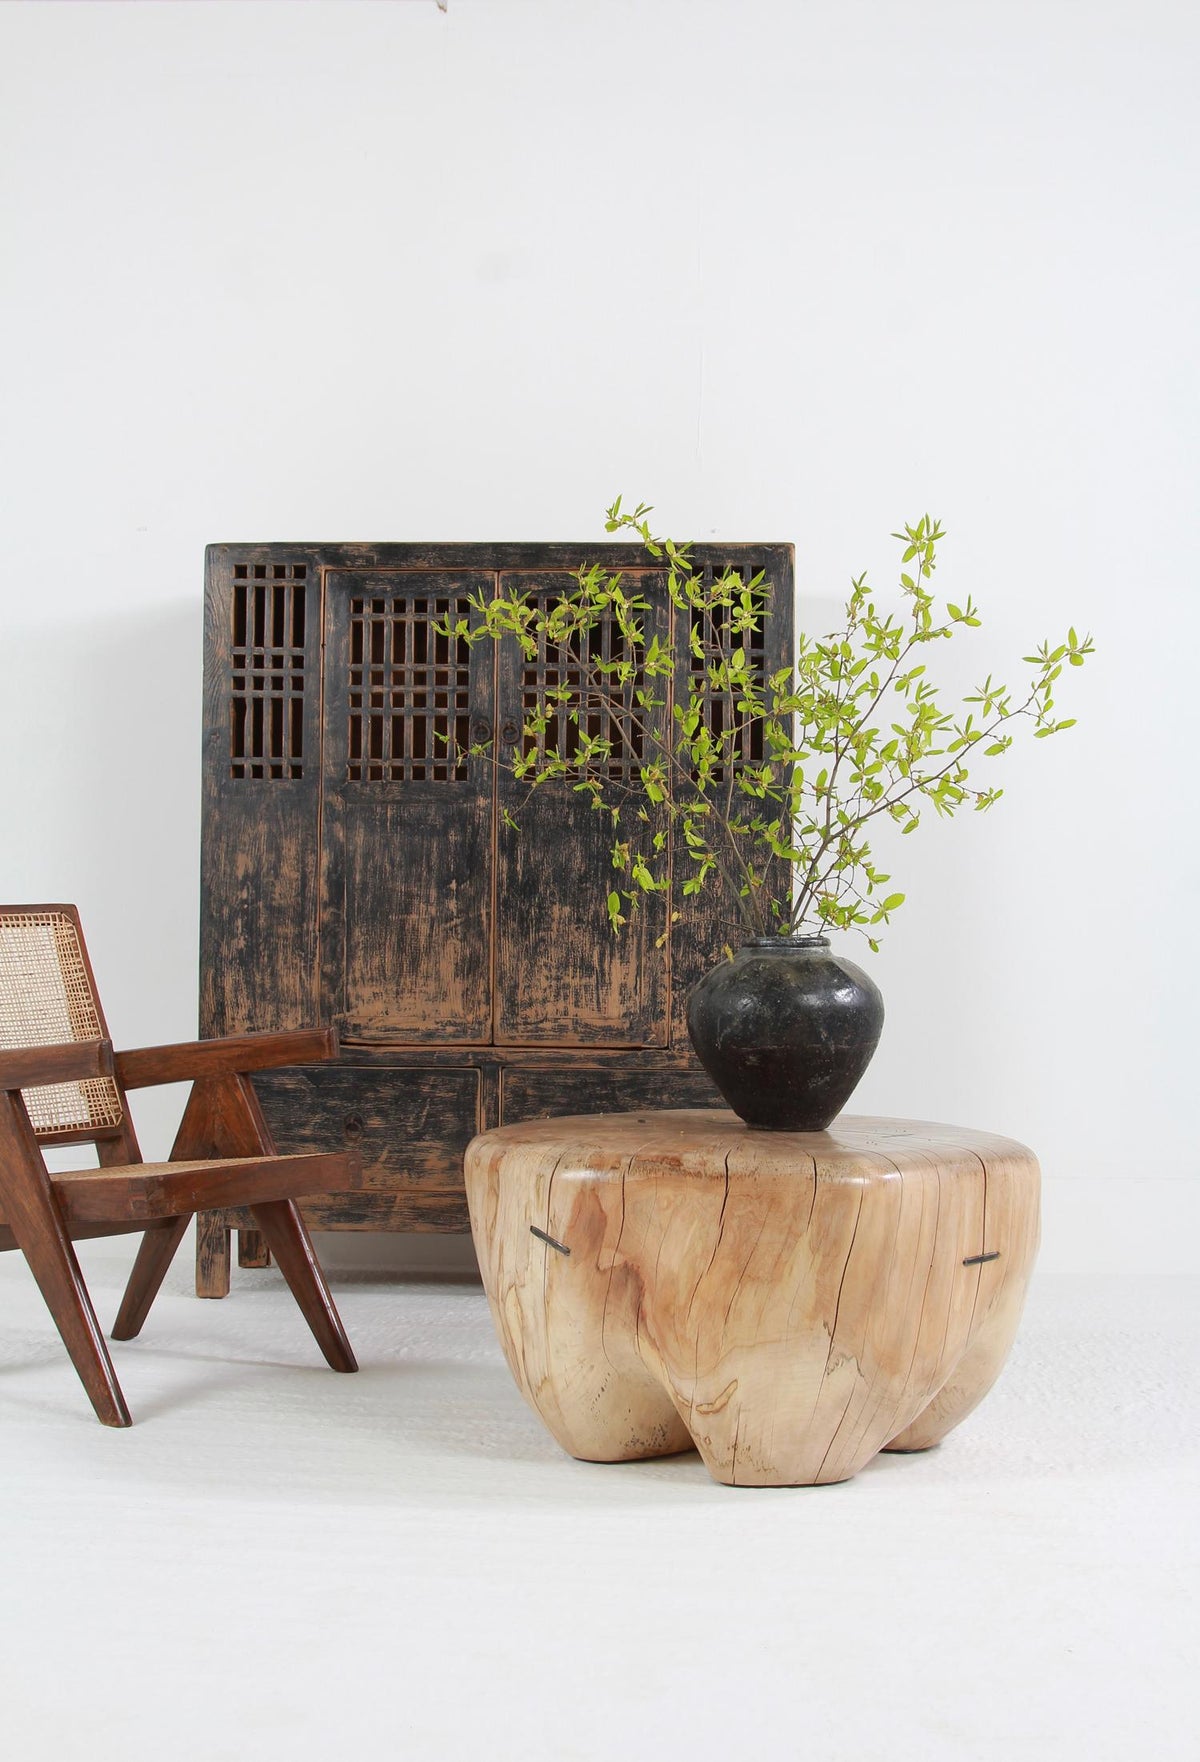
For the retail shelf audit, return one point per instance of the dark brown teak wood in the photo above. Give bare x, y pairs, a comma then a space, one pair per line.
224, 1156
38, 1229
357, 868
236, 1053
27, 1067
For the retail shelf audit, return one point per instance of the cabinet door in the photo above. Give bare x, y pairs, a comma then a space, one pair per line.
561, 975
406, 811
261, 789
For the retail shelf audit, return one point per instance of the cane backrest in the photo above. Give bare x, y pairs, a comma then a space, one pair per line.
48, 998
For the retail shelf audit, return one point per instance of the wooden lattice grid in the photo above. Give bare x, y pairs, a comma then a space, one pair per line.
721, 717
409, 691
585, 713
266, 730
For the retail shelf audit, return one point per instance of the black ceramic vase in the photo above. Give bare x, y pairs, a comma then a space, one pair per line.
785, 1030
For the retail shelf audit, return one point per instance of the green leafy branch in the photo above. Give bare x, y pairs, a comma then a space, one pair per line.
769, 784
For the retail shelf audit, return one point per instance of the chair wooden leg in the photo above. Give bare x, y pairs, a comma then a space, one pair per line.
155, 1255
32, 1214
53, 1264
289, 1241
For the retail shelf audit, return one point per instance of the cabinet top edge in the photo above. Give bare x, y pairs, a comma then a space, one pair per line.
502, 553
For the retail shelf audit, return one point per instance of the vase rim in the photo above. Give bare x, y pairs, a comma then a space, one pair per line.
813, 939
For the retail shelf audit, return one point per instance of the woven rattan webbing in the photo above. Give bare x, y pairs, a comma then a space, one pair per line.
46, 1000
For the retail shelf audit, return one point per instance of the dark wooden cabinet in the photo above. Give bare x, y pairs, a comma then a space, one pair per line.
357, 867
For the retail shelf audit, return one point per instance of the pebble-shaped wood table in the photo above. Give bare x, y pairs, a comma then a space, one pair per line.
790, 1303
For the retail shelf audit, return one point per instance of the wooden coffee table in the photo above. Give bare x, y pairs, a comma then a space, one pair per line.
790, 1303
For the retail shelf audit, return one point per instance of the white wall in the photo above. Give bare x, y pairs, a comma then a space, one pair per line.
787, 270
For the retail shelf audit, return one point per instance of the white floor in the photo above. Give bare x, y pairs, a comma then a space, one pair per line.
279, 1562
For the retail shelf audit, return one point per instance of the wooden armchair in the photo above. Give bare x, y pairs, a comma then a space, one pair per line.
61, 1083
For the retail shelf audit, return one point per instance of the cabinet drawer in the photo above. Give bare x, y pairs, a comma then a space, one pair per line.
533, 1092
410, 1126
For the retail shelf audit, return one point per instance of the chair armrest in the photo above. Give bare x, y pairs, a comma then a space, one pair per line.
29, 1067
237, 1053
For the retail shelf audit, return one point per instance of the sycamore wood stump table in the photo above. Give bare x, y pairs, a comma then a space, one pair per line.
790, 1303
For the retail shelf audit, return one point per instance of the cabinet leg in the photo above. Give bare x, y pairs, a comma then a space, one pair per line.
212, 1257
252, 1249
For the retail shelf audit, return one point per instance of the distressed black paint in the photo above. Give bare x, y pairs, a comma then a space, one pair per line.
470, 971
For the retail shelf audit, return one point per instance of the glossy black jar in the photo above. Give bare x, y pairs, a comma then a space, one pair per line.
785, 1030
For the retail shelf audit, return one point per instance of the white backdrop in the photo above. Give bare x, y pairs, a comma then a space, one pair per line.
788, 271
